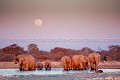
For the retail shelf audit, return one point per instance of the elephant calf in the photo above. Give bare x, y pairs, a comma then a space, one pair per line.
47, 64
66, 61
39, 66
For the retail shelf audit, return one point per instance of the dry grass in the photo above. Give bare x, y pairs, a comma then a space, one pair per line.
110, 65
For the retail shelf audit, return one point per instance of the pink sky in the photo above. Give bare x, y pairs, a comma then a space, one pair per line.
62, 19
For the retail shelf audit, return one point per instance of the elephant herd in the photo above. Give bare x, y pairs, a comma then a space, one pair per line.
77, 62
81, 62
28, 62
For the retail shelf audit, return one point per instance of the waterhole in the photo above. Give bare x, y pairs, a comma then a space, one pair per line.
5, 72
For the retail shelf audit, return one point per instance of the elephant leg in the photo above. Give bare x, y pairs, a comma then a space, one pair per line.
72, 65
96, 67
49, 67
92, 67
86, 65
23, 67
69, 67
26, 68
20, 65
65, 67
20, 69
46, 66
72, 68
80, 66
76, 67
33, 67
83, 66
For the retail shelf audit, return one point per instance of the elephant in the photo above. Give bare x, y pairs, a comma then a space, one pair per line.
79, 62
94, 59
47, 64
75, 62
40, 66
26, 62
84, 62
66, 61
17, 59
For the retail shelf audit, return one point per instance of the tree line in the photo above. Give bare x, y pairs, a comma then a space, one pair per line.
8, 53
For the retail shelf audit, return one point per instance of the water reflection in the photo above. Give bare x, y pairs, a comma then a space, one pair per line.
48, 72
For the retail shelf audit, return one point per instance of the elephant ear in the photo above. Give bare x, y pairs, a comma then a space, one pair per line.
22, 59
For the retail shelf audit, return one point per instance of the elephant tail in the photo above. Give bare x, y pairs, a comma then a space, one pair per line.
66, 60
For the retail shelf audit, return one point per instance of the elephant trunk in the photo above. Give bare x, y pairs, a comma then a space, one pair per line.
95, 63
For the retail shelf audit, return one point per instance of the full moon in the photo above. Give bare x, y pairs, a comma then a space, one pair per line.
38, 22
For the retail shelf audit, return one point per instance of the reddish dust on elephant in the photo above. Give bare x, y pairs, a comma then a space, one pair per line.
47, 64
25, 62
79, 62
66, 62
39, 66
94, 59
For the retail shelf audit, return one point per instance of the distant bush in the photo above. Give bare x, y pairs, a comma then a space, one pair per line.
7, 53
32, 48
7, 57
13, 49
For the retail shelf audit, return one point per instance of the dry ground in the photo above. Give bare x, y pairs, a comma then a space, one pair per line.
104, 65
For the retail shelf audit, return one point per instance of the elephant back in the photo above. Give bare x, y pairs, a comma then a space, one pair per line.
65, 59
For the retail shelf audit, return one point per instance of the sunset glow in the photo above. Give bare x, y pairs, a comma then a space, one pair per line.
64, 21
